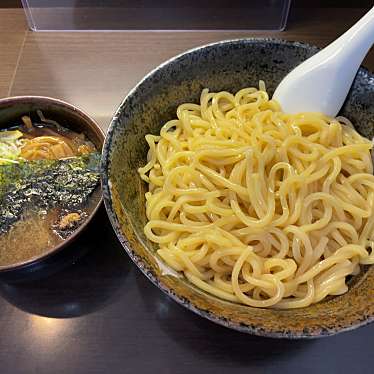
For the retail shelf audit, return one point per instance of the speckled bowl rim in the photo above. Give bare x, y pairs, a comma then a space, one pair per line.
17, 100
106, 186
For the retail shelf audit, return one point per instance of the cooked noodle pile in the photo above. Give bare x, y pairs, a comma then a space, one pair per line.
257, 206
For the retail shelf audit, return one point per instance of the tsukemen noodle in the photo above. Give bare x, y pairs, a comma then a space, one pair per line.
257, 206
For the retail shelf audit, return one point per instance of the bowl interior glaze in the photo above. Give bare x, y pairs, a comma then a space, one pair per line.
228, 65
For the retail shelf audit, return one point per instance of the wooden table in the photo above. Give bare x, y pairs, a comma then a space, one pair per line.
101, 315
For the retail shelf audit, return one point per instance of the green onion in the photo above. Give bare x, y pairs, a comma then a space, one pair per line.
10, 146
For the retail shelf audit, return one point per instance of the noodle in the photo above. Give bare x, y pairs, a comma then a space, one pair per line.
257, 206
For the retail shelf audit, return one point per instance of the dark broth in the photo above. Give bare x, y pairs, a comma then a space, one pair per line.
40, 210
35, 234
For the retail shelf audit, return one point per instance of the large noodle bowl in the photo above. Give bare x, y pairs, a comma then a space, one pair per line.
257, 206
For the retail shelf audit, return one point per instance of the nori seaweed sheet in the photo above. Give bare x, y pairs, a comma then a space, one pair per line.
46, 184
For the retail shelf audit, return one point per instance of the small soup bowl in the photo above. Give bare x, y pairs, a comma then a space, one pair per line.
228, 65
69, 116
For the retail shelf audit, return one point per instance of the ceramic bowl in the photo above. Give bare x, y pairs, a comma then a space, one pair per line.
11, 110
227, 65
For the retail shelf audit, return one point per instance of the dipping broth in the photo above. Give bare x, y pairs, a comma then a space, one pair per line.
49, 177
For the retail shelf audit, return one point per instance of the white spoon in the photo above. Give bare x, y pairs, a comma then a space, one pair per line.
321, 83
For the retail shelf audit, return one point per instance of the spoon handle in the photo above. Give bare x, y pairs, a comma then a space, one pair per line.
358, 39
323, 81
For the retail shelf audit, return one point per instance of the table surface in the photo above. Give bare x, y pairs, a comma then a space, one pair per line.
101, 315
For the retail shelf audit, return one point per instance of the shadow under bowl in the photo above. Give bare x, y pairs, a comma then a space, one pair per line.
69, 116
228, 65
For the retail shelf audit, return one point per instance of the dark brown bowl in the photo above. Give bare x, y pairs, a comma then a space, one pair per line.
69, 116
228, 65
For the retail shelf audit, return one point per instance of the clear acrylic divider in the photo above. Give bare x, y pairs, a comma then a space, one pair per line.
156, 15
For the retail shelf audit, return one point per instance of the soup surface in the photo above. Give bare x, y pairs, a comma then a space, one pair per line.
48, 186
